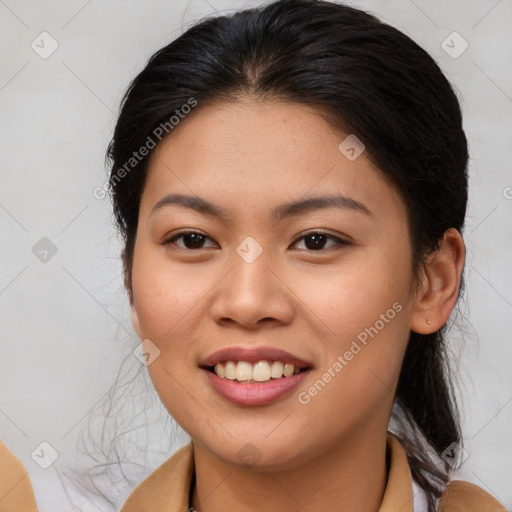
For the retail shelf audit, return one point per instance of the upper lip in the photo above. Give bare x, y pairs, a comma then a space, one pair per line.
252, 355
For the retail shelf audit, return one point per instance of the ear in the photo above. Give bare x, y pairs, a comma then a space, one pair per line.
440, 283
135, 321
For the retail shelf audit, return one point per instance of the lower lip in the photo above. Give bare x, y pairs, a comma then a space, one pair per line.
242, 393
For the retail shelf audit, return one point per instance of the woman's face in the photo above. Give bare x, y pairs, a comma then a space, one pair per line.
256, 282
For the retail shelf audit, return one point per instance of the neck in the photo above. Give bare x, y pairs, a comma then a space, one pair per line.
350, 476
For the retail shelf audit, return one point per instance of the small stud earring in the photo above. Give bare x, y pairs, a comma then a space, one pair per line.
428, 322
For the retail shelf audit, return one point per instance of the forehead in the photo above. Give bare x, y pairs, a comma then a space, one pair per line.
253, 153
270, 130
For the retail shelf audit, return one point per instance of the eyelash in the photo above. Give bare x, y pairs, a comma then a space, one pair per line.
340, 242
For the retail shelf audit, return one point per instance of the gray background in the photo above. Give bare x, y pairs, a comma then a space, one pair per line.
65, 325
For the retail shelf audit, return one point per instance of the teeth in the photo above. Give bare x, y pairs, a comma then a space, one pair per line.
243, 371
229, 370
262, 371
219, 370
288, 370
277, 369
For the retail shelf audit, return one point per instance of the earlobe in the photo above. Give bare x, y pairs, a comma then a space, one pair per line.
135, 321
437, 295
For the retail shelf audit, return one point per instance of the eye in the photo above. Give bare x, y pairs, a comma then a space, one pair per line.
316, 240
191, 240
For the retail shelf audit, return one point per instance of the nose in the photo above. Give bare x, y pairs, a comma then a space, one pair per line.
252, 294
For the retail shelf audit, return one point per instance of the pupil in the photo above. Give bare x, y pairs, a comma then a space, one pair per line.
318, 241
196, 240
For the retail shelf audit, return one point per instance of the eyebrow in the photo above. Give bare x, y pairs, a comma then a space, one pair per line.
280, 212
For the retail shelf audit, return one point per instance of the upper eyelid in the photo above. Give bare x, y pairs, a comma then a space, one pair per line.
174, 236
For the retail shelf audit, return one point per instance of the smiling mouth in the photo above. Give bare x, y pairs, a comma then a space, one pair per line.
260, 371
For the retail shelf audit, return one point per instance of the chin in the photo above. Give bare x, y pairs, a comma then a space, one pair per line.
261, 452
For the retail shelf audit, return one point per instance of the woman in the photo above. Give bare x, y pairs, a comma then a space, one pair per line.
291, 186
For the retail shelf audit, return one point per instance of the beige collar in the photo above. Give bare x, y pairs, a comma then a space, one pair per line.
167, 489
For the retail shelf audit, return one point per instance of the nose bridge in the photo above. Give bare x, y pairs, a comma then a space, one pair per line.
251, 291
251, 277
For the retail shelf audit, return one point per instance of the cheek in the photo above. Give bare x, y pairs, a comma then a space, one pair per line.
364, 311
360, 359
352, 297
165, 293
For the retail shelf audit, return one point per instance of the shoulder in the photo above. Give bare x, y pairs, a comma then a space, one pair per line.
461, 496
16, 492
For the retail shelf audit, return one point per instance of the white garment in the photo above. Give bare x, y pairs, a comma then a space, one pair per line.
420, 503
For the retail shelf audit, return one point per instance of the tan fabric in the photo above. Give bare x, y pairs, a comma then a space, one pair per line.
398, 493
463, 496
168, 488
16, 493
